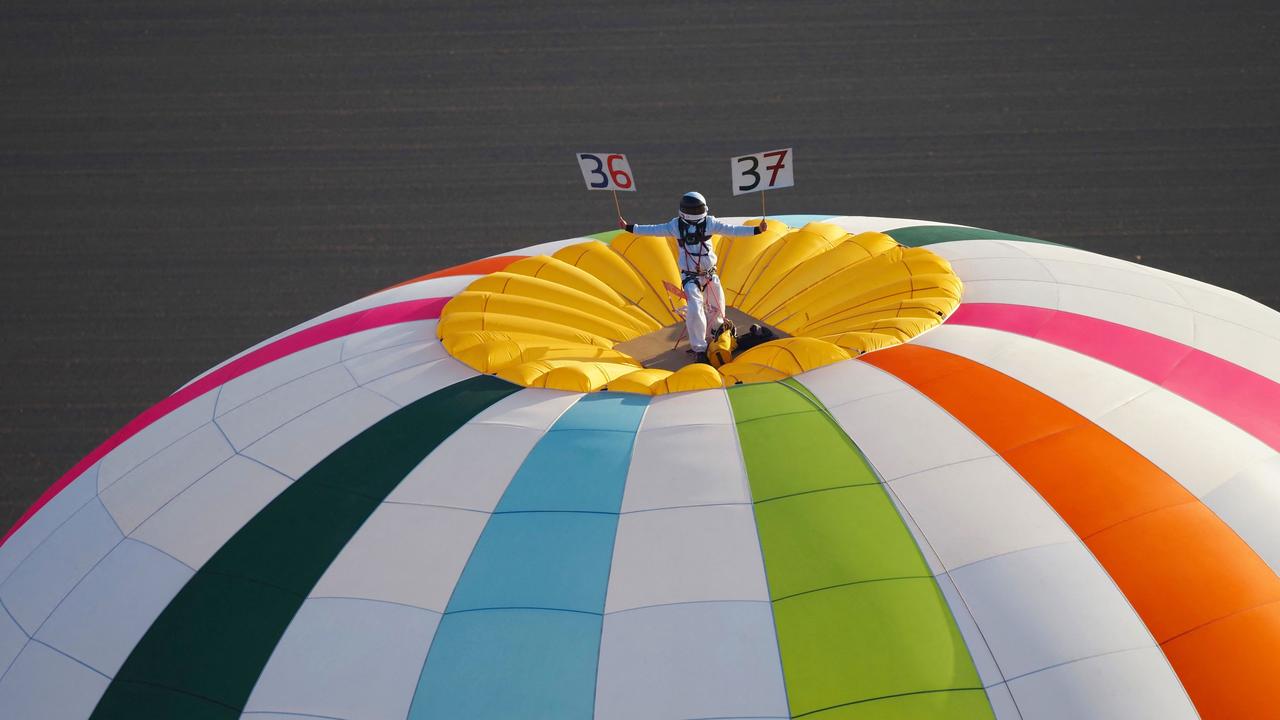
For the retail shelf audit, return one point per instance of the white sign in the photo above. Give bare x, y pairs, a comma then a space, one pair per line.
762, 171
606, 171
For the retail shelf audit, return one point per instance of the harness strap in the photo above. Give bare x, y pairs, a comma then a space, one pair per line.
691, 235
702, 277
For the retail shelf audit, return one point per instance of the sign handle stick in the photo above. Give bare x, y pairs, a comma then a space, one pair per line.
762, 205
617, 206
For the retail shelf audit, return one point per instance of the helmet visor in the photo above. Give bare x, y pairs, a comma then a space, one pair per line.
694, 217
693, 203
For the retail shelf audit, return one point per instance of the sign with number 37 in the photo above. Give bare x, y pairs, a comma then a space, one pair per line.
762, 171
606, 171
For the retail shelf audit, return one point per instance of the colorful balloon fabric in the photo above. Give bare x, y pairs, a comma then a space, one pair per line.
976, 475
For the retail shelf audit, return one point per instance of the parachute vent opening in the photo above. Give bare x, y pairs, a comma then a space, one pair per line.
597, 316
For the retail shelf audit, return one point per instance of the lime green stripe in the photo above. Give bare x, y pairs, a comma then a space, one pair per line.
949, 704
606, 236
808, 394
861, 622
918, 235
203, 655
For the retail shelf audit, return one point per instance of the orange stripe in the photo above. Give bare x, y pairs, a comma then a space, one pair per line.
1206, 596
483, 266
1235, 652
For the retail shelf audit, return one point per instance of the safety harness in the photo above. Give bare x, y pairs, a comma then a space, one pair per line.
693, 236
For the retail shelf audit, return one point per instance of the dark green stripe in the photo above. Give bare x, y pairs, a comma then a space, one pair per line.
918, 235
861, 622
203, 655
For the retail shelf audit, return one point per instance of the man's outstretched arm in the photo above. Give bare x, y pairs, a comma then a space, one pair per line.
722, 228
663, 230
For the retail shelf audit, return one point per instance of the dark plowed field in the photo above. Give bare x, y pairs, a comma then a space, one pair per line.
179, 180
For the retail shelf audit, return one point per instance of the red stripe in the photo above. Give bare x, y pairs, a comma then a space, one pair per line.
424, 309
484, 266
1234, 393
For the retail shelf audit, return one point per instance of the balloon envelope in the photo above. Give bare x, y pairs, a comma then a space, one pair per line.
996, 477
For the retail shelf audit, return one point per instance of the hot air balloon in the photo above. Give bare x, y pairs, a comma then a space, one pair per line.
971, 475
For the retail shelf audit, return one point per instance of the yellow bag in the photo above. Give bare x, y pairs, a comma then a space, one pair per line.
723, 343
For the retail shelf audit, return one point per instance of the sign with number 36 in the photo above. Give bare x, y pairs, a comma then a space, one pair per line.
606, 171
762, 171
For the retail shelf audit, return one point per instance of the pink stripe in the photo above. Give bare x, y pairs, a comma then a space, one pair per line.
424, 309
1234, 393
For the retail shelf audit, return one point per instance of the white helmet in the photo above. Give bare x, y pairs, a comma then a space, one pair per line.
693, 207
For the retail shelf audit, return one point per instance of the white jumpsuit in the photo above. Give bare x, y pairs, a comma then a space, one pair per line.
698, 265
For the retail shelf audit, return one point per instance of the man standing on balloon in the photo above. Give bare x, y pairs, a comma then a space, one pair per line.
692, 228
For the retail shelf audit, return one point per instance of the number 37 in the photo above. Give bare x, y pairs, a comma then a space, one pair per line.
748, 176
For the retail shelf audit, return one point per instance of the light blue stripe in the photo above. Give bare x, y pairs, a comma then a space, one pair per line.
604, 411
521, 634
541, 560
579, 470
511, 664
796, 221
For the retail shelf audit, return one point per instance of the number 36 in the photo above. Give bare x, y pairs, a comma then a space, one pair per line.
619, 175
